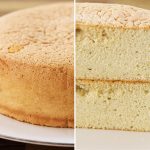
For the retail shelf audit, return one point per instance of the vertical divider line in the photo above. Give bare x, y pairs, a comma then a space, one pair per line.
74, 74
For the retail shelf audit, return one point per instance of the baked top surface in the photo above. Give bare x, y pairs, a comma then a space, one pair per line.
41, 35
113, 15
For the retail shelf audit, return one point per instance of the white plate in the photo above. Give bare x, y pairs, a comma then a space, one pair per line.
91, 139
24, 132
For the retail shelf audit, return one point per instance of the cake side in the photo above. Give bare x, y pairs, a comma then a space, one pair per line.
110, 53
36, 119
112, 15
28, 92
113, 105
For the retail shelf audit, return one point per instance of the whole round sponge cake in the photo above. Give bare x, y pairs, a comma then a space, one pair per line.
36, 65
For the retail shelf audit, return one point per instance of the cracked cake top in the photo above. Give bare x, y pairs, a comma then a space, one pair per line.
41, 35
113, 15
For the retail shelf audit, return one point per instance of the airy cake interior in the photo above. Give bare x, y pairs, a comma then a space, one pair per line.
112, 53
113, 105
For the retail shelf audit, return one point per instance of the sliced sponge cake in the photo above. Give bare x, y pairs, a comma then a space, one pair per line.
113, 67
113, 42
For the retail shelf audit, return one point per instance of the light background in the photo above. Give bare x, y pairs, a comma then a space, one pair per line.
138, 3
7, 6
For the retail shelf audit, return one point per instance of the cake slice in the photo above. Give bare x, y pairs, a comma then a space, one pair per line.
113, 67
113, 105
112, 42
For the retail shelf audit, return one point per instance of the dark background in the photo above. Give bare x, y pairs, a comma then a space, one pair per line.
10, 145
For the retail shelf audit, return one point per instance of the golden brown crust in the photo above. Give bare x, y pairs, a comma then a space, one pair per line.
39, 91
37, 79
36, 119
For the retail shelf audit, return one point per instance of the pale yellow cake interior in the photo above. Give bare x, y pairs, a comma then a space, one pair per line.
113, 67
113, 53
118, 105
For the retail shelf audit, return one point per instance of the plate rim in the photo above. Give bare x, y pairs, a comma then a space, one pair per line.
10, 137
35, 142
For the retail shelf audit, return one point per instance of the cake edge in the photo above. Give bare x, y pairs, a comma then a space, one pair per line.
116, 129
88, 81
84, 24
36, 119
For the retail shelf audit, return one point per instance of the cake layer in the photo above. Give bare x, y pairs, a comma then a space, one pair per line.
113, 105
112, 42
36, 65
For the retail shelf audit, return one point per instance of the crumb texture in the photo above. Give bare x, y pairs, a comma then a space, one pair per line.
107, 52
116, 106
113, 67
112, 53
